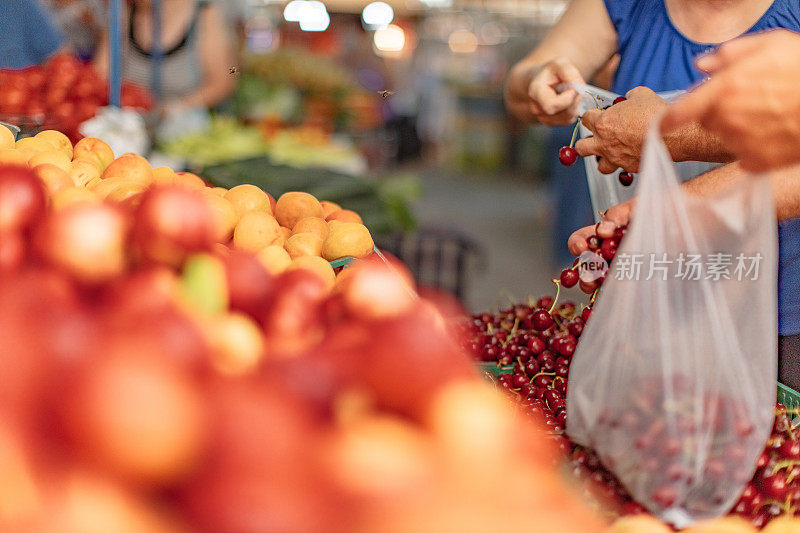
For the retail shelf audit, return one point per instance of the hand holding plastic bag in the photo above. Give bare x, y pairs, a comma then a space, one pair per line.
605, 189
673, 382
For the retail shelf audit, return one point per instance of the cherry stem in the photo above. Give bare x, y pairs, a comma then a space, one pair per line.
551, 374
594, 296
575, 133
558, 292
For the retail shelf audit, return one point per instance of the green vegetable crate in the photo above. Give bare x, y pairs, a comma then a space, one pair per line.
786, 395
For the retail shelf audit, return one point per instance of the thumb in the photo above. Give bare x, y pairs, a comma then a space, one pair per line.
566, 71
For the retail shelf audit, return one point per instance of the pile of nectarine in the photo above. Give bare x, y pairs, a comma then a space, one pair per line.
150, 383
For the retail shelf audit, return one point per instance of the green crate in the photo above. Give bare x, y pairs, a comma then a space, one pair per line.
492, 370
788, 396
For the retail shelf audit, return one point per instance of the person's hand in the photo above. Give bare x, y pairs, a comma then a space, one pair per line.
618, 215
751, 102
540, 100
618, 132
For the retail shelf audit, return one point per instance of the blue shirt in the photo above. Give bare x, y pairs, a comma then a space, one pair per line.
27, 36
655, 54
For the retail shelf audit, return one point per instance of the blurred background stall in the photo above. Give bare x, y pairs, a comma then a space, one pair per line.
400, 100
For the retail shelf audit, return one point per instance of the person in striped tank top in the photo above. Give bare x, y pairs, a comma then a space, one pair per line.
197, 53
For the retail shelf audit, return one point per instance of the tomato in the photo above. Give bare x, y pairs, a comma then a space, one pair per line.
12, 100
63, 113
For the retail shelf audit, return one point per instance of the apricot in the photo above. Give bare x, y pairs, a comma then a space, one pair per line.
329, 207
7, 139
301, 244
192, 181
72, 196
32, 143
52, 157
60, 141
274, 258
291, 207
54, 178
638, 524
130, 166
255, 230
126, 191
12, 157
347, 239
726, 524
345, 215
225, 216
164, 176
248, 197
316, 265
317, 226
94, 150
84, 171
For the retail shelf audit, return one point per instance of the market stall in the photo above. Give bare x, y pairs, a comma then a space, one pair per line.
224, 344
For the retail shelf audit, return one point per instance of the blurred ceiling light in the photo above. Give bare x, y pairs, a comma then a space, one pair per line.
493, 33
291, 13
313, 16
390, 39
377, 15
462, 42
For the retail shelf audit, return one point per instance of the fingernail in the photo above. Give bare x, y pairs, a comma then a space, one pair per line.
606, 226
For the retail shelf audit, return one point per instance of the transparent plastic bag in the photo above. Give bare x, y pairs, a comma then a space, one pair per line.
674, 380
605, 189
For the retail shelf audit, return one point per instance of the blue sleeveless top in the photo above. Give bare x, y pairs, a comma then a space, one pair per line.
655, 54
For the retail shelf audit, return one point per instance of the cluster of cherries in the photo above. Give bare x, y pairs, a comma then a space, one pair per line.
568, 155
533, 344
605, 248
537, 343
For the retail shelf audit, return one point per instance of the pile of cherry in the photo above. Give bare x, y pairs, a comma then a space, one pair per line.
568, 155
534, 343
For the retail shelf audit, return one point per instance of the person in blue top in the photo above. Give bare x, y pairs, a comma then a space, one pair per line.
27, 35
658, 42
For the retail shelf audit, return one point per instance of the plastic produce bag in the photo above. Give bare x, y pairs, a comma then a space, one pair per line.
123, 129
674, 380
605, 189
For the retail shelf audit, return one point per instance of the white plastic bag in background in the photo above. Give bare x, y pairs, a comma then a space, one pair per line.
123, 129
605, 189
674, 380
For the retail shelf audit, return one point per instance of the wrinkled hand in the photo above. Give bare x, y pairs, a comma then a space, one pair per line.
618, 132
541, 99
752, 101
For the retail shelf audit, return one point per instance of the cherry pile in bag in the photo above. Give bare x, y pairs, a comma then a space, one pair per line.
534, 342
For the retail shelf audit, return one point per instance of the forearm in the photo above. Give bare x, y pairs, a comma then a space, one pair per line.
785, 186
692, 143
208, 95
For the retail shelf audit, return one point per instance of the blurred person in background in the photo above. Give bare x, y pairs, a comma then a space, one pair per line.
658, 41
198, 57
28, 36
81, 21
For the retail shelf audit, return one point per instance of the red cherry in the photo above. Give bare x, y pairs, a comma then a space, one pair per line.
567, 155
625, 178
541, 320
569, 278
